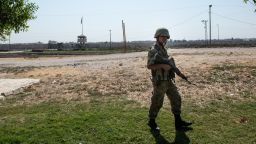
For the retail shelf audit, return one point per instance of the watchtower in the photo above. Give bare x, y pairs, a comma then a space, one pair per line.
81, 39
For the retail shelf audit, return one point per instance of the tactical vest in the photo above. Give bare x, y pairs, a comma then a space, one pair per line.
160, 74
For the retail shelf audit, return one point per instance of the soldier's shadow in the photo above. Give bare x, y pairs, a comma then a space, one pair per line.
158, 137
180, 137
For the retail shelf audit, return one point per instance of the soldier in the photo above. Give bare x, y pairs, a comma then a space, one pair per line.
163, 72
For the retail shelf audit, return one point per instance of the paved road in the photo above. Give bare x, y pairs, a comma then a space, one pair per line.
68, 60
107, 60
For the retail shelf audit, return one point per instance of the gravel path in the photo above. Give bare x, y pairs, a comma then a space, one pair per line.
70, 60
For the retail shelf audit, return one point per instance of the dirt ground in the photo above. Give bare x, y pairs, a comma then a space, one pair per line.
78, 78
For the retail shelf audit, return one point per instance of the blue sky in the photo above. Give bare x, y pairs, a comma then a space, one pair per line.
59, 20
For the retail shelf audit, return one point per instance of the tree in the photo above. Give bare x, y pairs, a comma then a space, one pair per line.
254, 2
14, 15
248, 0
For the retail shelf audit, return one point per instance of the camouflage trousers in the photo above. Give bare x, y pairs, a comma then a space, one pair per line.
160, 89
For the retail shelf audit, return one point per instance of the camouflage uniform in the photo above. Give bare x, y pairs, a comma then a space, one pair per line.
163, 83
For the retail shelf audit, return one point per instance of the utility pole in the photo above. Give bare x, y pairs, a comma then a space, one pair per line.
9, 48
210, 25
124, 35
218, 32
110, 39
205, 28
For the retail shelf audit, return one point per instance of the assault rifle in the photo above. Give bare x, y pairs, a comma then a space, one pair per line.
174, 69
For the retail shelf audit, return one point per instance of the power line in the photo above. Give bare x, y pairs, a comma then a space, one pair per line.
230, 6
181, 23
235, 19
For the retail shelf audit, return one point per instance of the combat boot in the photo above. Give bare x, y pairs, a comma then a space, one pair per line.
179, 123
152, 124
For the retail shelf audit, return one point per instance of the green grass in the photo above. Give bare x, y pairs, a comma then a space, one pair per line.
118, 120
124, 121
224, 123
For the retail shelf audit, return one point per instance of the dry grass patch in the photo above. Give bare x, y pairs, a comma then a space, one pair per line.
235, 82
217, 79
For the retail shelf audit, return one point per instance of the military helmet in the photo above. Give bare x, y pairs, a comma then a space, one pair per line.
162, 32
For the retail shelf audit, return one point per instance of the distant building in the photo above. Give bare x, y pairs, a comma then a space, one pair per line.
52, 42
